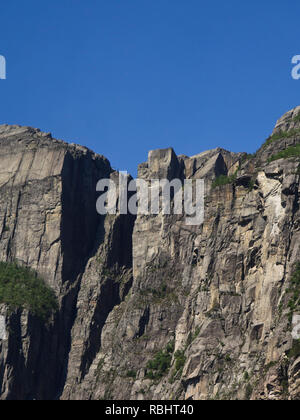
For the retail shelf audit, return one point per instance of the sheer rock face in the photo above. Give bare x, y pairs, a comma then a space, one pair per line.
48, 221
128, 287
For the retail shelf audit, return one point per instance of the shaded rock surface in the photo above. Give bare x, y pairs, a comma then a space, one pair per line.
214, 297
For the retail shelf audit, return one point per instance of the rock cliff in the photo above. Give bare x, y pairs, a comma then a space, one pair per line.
149, 307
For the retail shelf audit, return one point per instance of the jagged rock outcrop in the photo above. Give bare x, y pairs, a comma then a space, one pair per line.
151, 308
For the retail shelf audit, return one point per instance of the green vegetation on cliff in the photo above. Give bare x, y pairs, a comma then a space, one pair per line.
21, 288
161, 363
180, 360
295, 350
294, 290
297, 118
292, 151
224, 180
282, 135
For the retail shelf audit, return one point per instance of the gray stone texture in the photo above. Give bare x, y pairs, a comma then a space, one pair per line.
127, 287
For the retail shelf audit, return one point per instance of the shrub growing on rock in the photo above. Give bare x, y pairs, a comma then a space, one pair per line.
21, 288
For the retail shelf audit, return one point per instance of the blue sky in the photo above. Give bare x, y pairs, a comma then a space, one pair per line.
126, 76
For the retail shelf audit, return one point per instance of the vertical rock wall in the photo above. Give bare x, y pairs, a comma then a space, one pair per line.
212, 301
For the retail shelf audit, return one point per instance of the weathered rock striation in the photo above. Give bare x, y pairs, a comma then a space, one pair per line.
49, 222
149, 307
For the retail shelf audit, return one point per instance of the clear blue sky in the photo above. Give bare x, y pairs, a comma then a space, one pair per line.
126, 76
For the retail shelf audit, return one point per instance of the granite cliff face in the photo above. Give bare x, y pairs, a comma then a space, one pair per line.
49, 223
149, 307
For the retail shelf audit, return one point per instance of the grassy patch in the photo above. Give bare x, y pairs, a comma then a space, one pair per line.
294, 290
270, 365
192, 337
161, 363
100, 367
21, 288
251, 184
160, 294
295, 350
297, 118
282, 135
248, 392
246, 376
292, 151
131, 374
247, 157
180, 360
224, 180
170, 347
159, 366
